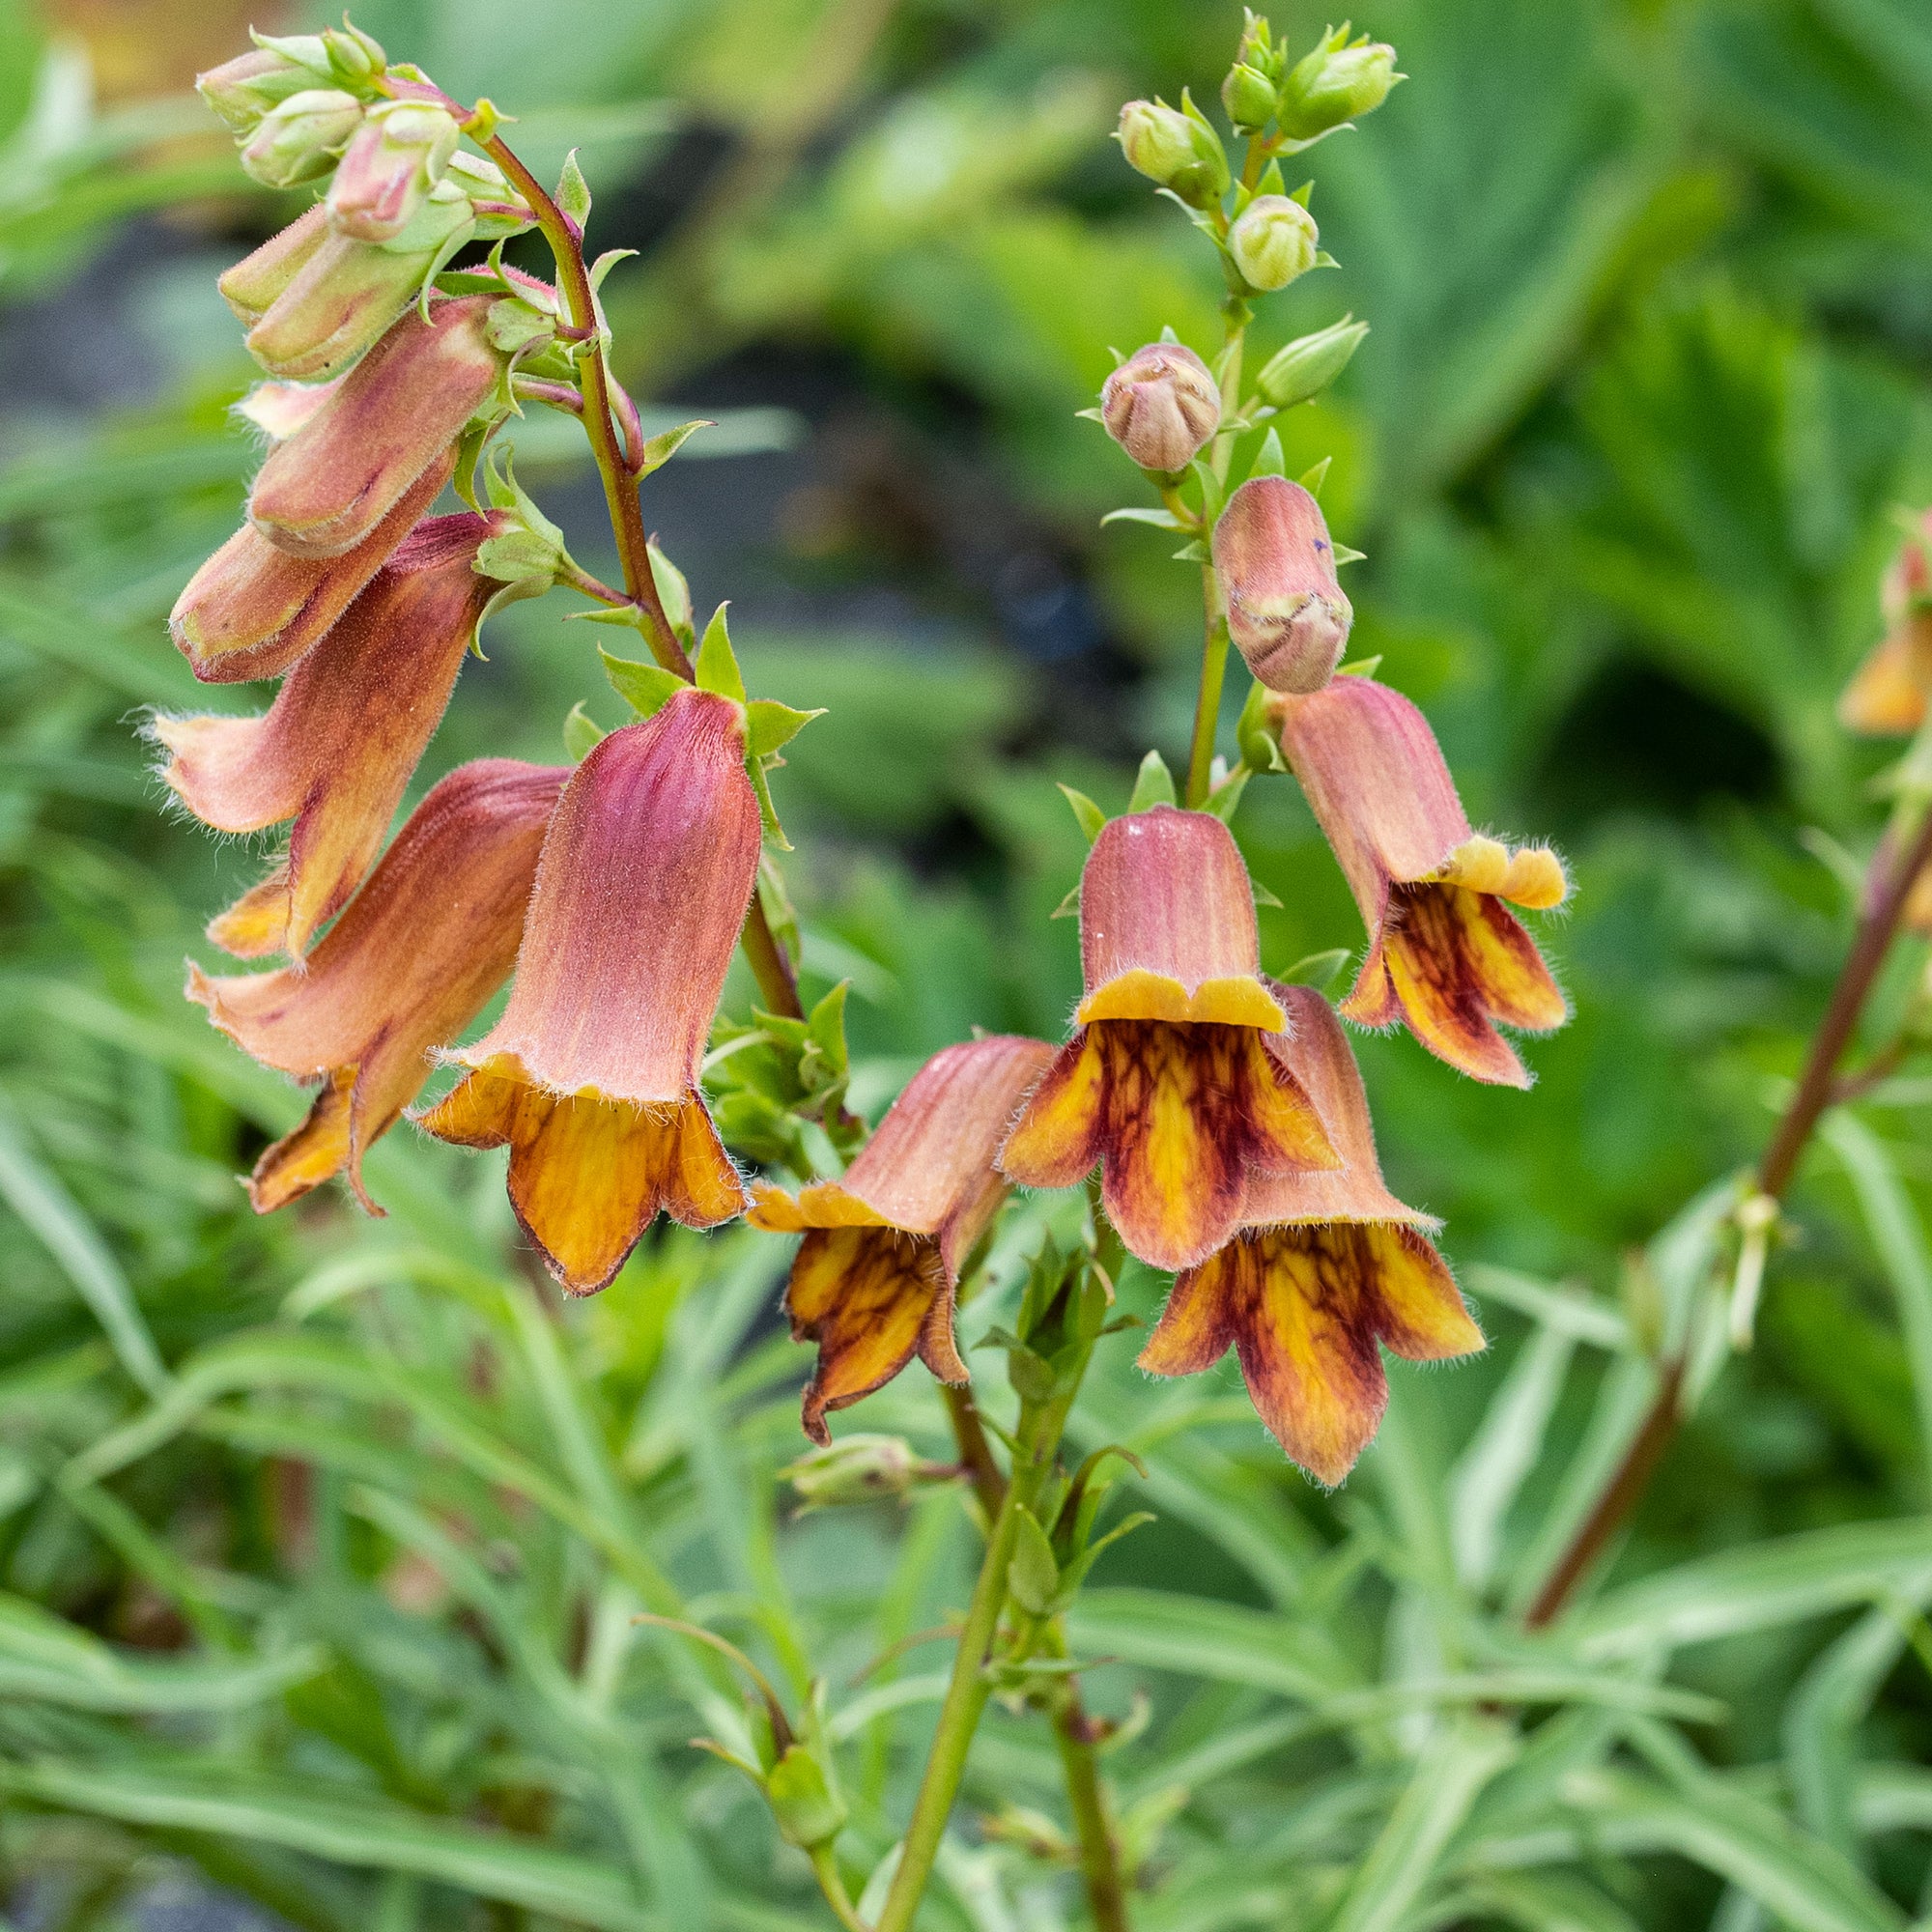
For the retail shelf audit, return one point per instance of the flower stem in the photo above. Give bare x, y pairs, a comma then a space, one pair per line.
776, 975
1037, 1436
1214, 642
825, 1868
1815, 1091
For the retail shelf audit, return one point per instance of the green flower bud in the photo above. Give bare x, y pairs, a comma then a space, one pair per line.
803, 1792
299, 139
244, 89
1307, 365
859, 1469
351, 54
1248, 96
1176, 150
1334, 84
1272, 242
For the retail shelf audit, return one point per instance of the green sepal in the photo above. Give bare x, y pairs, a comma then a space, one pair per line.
606, 262
572, 191
780, 914
673, 593
1075, 1572
825, 1062
469, 447
1033, 1575
770, 724
1313, 479
1344, 555
1222, 801
1304, 193
1270, 181
646, 687
1196, 552
582, 732
1261, 750
1140, 513
1153, 785
805, 1803
1214, 491
1269, 461
659, 449
1070, 906
1262, 897
1090, 815
715, 665
755, 769
1319, 970
514, 323
625, 615
1361, 667
506, 493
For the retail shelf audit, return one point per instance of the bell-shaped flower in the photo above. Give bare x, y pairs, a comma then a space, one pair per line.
325, 488
335, 749
1326, 1266
1887, 697
875, 1276
314, 298
253, 609
411, 961
1275, 565
1168, 1082
591, 1074
1447, 957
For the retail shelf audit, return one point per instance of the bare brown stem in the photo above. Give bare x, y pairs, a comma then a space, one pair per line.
1818, 1088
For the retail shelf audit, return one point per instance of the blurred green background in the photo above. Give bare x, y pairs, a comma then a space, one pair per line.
320, 1539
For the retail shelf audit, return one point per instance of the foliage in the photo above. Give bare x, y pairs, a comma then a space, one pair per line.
323, 1539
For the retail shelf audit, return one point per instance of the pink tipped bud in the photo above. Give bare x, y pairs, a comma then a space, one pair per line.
1161, 406
314, 299
1276, 567
253, 609
413, 959
328, 486
397, 155
336, 750
299, 139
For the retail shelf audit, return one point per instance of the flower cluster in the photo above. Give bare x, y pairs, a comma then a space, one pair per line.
1222, 1108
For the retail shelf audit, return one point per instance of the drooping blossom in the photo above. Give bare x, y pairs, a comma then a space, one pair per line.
1327, 1270
415, 958
1887, 697
1168, 1082
1275, 564
253, 609
875, 1276
336, 750
591, 1074
326, 487
1445, 956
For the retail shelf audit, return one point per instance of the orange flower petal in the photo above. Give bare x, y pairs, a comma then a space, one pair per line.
587, 1174
1057, 1139
317, 1150
1304, 1308
871, 1298
1886, 695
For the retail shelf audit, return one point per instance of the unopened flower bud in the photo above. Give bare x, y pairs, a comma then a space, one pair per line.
351, 54
1272, 242
299, 139
1161, 406
398, 155
244, 89
1334, 84
1286, 611
1173, 150
858, 1470
1300, 371
1248, 96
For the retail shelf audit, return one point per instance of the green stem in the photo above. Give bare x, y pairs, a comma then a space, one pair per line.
1214, 640
1087, 1798
825, 1868
1037, 1436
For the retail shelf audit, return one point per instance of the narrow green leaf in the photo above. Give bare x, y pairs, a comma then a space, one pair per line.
1486, 1481
1161, 520
1320, 970
572, 191
1032, 1576
659, 449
